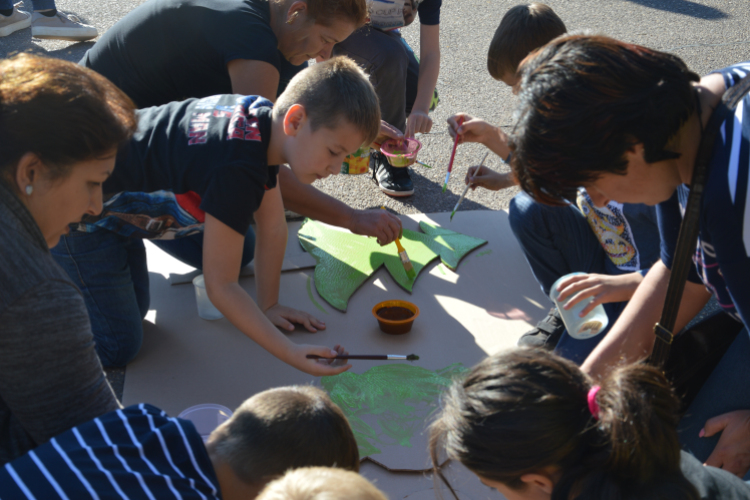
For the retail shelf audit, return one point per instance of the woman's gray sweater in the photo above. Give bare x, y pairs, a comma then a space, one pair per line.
50, 376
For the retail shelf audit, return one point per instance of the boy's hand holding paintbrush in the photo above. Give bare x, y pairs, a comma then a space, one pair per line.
481, 176
408, 267
465, 128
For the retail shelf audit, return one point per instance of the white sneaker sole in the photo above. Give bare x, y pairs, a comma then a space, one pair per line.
72, 35
396, 194
12, 28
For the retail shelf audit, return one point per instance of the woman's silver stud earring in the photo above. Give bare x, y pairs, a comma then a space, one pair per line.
29, 189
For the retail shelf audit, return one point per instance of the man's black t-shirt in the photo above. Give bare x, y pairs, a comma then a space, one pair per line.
172, 50
185, 160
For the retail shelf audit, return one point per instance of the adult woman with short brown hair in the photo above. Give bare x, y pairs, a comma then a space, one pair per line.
60, 126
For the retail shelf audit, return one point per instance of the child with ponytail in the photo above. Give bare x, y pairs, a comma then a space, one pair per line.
533, 426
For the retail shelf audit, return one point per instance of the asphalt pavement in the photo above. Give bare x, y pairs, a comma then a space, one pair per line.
706, 34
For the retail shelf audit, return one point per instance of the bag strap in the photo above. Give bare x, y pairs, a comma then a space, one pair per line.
688, 236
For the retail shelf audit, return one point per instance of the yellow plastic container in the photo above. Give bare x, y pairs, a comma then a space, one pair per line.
357, 163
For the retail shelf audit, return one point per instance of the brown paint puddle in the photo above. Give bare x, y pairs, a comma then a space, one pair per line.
395, 313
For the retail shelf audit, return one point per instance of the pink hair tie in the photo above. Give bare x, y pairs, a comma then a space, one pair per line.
593, 405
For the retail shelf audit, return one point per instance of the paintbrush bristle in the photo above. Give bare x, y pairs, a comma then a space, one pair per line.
410, 272
412, 357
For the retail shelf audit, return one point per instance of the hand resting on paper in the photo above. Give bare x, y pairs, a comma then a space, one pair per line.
318, 367
285, 317
732, 452
600, 288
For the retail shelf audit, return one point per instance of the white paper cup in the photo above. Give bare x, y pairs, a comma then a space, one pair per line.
206, 417
579, 328
206, 309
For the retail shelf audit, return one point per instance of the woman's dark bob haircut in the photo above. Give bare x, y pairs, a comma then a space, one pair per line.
585, 101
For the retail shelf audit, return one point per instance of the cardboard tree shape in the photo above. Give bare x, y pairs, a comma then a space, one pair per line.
345, 260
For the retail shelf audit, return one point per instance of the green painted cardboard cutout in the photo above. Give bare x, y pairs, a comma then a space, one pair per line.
345, 260
389, 405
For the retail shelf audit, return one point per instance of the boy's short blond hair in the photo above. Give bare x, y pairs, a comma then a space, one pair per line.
335, 92
321, 483
281, 429
523, 29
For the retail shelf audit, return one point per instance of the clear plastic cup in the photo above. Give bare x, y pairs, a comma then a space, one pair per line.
579, 328
206, 309
206, 417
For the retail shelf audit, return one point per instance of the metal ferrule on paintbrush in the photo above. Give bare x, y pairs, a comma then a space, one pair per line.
408, 267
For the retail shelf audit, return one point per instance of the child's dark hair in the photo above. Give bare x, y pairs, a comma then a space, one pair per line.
285, 428
584, 102
62, 112
523, 29
522, 410
334, 93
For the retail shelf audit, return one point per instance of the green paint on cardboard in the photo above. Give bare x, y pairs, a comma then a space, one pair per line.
388, 404
486, 252
345, 260
312, 297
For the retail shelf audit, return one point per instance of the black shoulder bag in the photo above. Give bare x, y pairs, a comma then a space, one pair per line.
689, 358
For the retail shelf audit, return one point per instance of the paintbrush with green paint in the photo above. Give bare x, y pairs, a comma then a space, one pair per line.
410, 272
374, 357
466, 190
408, 267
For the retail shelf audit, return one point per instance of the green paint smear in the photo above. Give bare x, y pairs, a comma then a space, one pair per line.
345, 260
397, 397
486, 252
312, 297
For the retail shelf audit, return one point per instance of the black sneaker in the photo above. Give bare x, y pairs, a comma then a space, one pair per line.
394, 181
547, 333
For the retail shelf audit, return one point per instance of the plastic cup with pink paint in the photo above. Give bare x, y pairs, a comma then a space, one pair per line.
401, 152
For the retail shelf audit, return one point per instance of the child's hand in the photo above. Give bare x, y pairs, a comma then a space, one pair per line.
418, 122
318, 367
489, 179
472, 129
600, 288
387, 131
378, 223
285, 317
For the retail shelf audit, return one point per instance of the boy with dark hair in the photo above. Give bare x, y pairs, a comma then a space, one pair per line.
612, 246
141, 452
523, 29
405, 85
209, 166
641, 115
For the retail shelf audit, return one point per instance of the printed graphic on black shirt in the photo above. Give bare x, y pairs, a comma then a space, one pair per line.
164, 214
